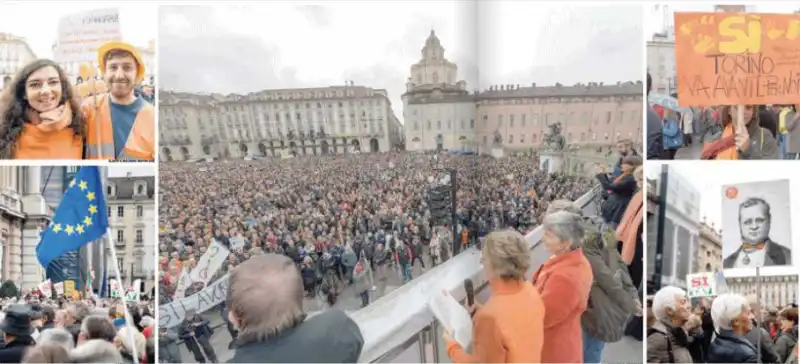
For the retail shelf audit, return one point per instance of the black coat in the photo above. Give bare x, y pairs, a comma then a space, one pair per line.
728, 348
334, 337
15, 350
620, 195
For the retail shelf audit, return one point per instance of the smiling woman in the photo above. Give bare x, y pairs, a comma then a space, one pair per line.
40, 115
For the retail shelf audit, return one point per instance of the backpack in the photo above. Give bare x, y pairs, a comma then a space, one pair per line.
673, 135
652, 331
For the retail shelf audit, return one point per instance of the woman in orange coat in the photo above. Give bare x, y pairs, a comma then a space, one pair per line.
508, 328
40, 115
564, 281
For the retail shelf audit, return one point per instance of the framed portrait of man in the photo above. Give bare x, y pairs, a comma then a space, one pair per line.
756, 225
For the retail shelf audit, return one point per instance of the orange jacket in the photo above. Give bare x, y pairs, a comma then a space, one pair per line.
141, 140
564, 282
34, 143
509, 328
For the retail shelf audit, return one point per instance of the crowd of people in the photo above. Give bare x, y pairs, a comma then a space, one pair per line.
767, 131
729, 328
38, 329
337, 218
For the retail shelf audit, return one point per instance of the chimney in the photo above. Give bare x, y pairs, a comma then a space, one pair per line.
601, 84
517, 86
502, 87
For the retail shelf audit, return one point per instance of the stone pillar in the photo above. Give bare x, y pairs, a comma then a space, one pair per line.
32, 271
552, 162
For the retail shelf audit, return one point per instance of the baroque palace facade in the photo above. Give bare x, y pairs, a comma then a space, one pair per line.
313, 121
440, 113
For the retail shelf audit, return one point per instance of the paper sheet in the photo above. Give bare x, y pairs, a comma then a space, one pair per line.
452, 316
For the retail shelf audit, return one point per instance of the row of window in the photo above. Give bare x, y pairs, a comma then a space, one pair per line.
178, 111
121, 211
139, 236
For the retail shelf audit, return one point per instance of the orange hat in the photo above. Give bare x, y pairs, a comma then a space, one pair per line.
108, 47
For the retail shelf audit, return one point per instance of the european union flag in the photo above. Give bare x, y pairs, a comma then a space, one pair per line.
79, 219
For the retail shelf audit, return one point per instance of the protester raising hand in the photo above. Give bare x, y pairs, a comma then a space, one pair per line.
741, 135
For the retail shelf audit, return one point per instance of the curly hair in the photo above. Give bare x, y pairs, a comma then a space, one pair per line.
14, 106
727, 118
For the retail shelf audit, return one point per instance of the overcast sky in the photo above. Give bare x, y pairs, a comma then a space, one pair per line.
246, 48
135, 170
709, 177
38, 22
656, 21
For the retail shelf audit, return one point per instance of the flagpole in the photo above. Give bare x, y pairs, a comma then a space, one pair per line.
110, 240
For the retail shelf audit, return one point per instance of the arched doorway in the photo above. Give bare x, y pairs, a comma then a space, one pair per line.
324, 146
374, 147
356, 145
167, 153
263, 149
185, 153
207, 150
243, 149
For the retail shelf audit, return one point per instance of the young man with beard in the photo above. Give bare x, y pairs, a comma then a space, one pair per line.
120, 125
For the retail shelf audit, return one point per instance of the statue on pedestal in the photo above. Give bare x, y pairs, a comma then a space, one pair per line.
498, 139
553, 140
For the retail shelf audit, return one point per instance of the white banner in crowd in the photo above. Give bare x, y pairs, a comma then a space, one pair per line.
209, 263
46, 288
59, 287
133, 294
183, 284
756, 224
171, 314
115, 288
701, 284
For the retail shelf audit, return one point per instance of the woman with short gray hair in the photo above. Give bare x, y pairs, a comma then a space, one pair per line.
564, 281
732, 317
667, 339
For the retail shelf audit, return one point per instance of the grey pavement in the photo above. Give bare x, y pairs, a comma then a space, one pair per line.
691, 152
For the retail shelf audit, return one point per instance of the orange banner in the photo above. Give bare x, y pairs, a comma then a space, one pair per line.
737, 59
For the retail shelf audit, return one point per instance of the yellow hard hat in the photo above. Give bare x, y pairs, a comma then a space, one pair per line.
108, 47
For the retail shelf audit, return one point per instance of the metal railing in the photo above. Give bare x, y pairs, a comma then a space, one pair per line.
399, 327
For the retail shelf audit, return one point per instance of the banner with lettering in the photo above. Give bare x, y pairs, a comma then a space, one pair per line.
701, 284
69, 287
171, 314
115, 287
209, 263
737, 58
133, 293
81, 34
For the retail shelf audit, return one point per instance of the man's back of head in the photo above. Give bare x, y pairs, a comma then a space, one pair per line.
265, 296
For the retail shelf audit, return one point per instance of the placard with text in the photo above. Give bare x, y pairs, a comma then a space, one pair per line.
737, 58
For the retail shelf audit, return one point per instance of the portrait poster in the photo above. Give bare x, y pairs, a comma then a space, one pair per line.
756, 224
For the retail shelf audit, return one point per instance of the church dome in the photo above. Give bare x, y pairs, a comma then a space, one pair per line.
433, 40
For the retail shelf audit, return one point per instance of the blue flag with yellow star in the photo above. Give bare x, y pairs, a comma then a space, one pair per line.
79, 219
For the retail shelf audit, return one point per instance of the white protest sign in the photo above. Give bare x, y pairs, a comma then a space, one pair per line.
133, 293
115, 288
81, 35
171, 314
237, 242
59, 287
209, 263
701, 284
45, 288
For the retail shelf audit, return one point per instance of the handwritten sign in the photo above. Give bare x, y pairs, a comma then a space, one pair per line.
701, 284
59, 287
737, 59
171, 314
46, 288
116, 288
80, 35
209, 263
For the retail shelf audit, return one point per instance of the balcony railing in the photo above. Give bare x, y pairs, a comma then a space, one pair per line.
399, 327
